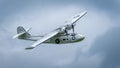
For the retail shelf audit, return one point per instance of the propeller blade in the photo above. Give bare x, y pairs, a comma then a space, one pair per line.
73, 28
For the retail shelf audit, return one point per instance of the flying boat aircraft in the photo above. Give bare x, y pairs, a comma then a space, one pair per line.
57, 36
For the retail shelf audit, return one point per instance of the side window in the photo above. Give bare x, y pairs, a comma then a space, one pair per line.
64, 39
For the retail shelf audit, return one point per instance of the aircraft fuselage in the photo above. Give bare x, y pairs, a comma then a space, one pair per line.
61, 38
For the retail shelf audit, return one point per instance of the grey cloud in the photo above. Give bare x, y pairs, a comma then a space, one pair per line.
9, 7
108, 45
104, 52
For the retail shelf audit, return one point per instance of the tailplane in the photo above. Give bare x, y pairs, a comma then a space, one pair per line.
22, 33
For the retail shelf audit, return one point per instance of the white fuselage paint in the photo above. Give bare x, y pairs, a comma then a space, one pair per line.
61, 39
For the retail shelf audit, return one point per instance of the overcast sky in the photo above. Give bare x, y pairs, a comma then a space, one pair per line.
101, 27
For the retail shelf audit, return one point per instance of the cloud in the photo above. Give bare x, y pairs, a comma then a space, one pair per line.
108, 46
58, 56
44, 19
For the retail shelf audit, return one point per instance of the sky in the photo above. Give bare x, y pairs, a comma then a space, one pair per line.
101, 27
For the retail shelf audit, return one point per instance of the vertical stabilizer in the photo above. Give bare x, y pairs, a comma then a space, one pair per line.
23, 32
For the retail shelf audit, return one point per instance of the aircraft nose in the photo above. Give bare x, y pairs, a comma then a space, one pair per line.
81, 37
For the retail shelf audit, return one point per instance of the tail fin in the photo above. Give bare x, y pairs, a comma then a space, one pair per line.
22, 33
20, 29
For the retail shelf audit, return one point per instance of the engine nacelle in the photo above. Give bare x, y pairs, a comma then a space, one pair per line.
69, 26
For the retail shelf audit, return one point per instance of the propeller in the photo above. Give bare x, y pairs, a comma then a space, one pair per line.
66, 31
73, 28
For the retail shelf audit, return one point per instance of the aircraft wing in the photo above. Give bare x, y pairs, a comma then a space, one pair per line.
77, 17
43, 39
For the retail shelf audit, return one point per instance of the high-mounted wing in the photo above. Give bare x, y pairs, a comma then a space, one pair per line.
71, 23
43, 39
76, 18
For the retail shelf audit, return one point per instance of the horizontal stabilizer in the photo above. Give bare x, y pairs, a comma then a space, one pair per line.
22, 33
18, 35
